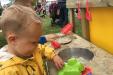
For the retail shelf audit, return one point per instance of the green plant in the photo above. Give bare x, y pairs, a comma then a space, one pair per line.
47, 26
2, 41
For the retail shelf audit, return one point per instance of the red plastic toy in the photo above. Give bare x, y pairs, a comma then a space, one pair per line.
55, 44
66, 29
87, 71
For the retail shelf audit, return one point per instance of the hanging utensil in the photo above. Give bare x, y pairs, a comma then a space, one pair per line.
88, 13
79, 11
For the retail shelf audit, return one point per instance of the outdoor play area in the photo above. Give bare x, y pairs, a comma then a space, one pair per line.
79, 33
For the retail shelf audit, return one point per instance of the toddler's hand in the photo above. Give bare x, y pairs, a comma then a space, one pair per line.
51, 37
59, 63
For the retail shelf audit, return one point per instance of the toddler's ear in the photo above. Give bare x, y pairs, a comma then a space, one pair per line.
11, 37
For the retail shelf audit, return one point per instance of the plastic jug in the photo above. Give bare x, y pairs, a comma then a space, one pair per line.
72, 67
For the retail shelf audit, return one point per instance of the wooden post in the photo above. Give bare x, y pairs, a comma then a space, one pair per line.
85, 26
72, 18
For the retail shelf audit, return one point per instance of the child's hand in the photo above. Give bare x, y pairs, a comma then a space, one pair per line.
59, 63
51, 37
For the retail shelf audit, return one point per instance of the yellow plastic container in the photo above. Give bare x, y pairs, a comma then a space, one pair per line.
101, 28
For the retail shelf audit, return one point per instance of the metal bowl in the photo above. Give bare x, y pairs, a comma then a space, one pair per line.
66, 54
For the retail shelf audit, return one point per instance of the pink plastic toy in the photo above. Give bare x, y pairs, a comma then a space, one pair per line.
79, 12
88, 14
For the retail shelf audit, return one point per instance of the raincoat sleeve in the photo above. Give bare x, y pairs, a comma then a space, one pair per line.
9, 71
47, 51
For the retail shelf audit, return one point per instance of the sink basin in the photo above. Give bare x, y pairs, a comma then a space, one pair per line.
76, 52
66, 54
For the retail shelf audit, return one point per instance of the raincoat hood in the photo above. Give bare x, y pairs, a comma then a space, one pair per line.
4, 55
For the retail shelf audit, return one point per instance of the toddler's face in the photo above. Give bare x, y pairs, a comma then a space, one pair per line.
27, 43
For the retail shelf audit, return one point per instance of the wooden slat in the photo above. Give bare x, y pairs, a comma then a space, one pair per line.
92, 3
72, 18
84, 25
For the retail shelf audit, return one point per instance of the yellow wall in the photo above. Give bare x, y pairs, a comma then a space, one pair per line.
101, 28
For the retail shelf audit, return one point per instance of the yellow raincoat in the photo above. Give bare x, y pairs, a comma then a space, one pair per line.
31, 66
